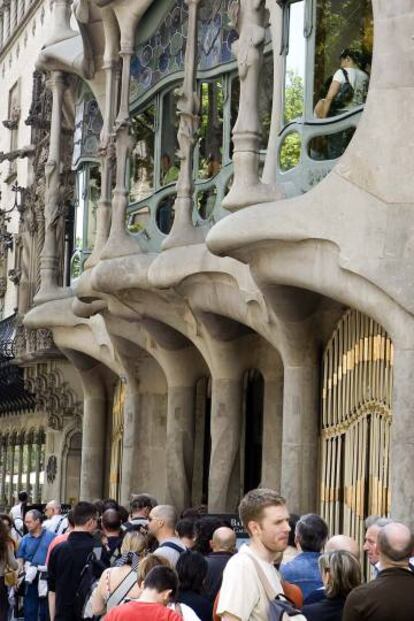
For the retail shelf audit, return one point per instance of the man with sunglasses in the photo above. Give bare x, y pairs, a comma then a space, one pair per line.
162, 522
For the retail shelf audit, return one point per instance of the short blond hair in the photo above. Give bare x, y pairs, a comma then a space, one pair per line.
134, 541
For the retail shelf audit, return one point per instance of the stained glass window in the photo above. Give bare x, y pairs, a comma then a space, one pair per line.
163, 53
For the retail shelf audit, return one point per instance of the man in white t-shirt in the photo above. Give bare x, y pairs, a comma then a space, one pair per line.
242, 596
56, 523
17, 513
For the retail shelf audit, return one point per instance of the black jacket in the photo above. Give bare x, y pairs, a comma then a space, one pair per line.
325, 610
65, 566
216, 564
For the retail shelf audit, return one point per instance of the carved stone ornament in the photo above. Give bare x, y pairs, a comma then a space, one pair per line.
55, 422
51, 469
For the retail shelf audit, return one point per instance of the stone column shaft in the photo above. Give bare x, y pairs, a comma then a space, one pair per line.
20, 466
300, 437
272, 432
226, 416
402, 438
29, 464
130, 453
49, 258
93, 439
12, 453
180, 444
3, 471
36, 492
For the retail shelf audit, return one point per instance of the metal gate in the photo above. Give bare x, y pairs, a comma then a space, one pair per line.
355, 425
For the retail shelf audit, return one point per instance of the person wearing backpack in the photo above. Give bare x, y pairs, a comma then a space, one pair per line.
74, 566
32, 558
251, 587
162, 523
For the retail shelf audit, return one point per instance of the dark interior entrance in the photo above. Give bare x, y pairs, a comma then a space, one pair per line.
253, 445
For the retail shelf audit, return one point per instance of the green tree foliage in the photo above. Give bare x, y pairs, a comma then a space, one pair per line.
294, 107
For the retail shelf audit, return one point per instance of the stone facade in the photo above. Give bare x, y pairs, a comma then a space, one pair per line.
263, 336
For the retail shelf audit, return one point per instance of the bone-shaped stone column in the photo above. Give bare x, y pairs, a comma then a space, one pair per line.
49, 259
247, 189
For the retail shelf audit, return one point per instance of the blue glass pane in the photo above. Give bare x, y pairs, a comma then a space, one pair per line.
162, 54
215, 34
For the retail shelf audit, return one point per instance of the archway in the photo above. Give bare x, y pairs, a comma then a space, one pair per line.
355, 424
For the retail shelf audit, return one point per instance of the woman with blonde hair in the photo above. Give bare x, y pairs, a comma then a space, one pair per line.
120, 582
341, 573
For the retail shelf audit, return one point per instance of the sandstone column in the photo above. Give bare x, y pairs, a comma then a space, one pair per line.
29, 462
93, 436
49, 257
226, 416
20, 444
36, 492
402, 437
3, 470
180, 444
300, 436
272, 431
130, 453
11, 472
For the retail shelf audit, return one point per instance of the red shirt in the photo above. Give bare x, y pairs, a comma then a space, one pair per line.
142, 611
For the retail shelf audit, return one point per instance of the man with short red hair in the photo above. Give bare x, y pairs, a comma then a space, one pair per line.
265, 516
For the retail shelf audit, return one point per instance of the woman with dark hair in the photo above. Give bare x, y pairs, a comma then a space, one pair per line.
341, 572
192, 571
204, 529
7, 562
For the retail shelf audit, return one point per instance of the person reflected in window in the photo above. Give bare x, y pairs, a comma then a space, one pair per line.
169, 170
348, 88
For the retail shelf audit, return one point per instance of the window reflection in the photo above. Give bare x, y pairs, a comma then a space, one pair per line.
266, 99
165, 214
295, 65
206, 200
344, 39
88, 193
234, 106
330, 146
140, 220
142, 160
211, 128
289, 154
169, 145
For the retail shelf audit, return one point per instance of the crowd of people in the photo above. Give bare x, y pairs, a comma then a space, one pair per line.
146, 564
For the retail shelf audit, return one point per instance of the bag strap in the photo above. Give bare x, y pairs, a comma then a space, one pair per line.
269, 590
122, 590
345, 72
173, 546
59, 524
37, 546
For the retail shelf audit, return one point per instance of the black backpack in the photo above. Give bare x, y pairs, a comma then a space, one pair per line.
345, 94
90, 574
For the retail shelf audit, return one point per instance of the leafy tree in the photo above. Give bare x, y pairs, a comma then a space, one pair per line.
294, 107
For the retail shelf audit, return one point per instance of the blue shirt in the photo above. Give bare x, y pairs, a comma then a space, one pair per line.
303, 571
29, 544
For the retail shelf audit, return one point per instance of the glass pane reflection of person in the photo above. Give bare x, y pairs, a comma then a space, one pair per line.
350, 61
169, 170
